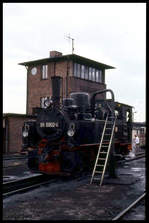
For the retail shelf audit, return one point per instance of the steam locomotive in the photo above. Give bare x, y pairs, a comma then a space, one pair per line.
65, 135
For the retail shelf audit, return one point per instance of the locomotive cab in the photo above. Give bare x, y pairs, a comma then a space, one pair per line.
123, 133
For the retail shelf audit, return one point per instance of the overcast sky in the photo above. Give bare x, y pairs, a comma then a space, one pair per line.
110, 33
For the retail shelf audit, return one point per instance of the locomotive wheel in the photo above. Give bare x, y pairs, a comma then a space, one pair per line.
71, 161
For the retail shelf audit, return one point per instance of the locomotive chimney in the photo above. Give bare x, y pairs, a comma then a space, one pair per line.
56, 89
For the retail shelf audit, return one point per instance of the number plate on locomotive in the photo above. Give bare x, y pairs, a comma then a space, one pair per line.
49, 124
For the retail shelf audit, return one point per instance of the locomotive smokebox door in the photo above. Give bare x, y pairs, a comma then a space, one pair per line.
50, 124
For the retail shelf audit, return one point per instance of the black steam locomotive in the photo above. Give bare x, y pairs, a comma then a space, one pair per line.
64, 137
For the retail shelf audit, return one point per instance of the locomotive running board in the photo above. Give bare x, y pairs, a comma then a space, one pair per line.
104, 149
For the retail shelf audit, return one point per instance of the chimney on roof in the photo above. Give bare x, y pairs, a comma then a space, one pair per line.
55, 54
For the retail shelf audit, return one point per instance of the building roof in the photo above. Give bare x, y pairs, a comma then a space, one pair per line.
74, 57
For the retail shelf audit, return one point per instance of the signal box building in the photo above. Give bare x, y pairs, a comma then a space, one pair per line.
78, 74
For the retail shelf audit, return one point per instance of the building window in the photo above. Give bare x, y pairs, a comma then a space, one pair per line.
78, 70
44, 72
93, 74
99, 76
75, 69
97, 73
82, 71
127, 116
86, 73
90, 73
42, 100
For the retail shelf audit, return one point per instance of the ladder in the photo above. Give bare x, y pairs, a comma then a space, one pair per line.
104, 149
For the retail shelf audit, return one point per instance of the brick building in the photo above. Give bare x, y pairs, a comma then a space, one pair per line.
12, 132
78, 74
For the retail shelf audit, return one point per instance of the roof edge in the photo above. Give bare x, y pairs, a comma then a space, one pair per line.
67, 57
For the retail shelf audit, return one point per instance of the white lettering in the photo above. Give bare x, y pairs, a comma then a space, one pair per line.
42, 124
49, 124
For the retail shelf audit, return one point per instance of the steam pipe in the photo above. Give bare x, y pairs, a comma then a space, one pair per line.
99, 92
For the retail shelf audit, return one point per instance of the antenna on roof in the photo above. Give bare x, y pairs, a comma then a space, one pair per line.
72, 43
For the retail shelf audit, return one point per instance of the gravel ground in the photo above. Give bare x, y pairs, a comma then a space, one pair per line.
77, 199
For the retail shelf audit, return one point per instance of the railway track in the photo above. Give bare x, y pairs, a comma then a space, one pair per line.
25, 184
29, 183
15, 157
125, 211
14, 165
138, 156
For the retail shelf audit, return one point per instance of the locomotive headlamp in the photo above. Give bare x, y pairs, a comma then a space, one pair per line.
70, 132
25, 133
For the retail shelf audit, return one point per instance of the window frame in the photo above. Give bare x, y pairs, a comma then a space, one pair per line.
75, 69
96, 75
93, 75
90, 74
99, 76
44, 72
78, 70
86, 73
82, 75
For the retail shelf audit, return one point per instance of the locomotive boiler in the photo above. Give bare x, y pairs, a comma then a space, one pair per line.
64, 136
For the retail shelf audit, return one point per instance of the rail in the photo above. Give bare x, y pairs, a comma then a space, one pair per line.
22, 185
14, 157
121, 214
138, 156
